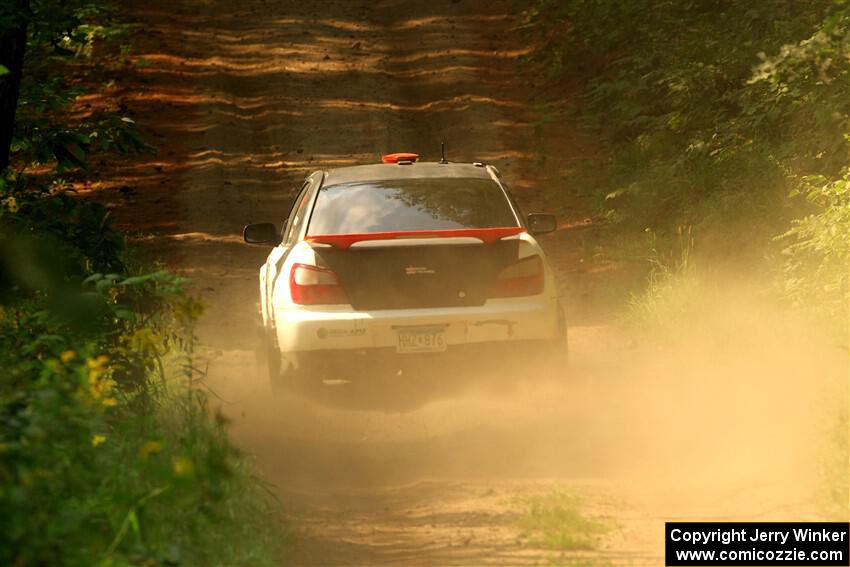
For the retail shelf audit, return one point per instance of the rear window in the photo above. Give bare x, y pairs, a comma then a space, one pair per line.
410, 204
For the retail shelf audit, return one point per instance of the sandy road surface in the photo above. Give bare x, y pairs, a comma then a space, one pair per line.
421, 469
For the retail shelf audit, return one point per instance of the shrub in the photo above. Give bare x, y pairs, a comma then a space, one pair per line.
108, 452
817, 252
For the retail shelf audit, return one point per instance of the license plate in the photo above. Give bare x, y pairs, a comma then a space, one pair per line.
426, 339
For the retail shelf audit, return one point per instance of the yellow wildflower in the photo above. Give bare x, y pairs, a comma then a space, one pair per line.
97, 440
183, 467
145, 341
99, 387
150, 448
67, 356
97, 365
11, 204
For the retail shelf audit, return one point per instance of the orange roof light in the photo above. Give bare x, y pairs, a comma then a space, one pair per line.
395, 158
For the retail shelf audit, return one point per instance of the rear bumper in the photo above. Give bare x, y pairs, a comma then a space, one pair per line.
502, 322
366, 363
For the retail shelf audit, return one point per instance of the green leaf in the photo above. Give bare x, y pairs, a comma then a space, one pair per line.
136, 280
134, 522
4, 70
125, 314
93, 278
102, 285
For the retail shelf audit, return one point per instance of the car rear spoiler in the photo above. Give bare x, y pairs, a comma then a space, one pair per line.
456, 236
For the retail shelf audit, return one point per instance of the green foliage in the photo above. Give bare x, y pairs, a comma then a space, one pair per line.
41, 141
61, 34
557, 522
697, 115
48, 222
712, 113
109, 454
817, 251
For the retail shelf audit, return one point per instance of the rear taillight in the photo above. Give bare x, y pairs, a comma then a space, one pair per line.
519, 279
310, 285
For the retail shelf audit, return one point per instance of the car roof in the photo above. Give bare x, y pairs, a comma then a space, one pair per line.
392, 171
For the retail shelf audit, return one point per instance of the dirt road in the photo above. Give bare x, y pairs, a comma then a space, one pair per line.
247, 98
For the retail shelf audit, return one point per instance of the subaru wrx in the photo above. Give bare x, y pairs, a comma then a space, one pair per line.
404, 259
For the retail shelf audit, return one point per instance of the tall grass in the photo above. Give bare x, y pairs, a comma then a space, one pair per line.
673, 287
557, 522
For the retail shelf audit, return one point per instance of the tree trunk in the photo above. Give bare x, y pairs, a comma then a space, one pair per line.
13, 43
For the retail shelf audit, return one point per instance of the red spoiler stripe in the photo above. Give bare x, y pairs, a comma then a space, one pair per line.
487, 235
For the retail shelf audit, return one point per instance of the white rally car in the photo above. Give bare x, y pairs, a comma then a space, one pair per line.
400, 260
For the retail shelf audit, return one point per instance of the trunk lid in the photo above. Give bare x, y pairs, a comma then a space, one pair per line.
419, 276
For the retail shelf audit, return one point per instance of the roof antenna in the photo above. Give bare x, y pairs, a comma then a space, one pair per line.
443, 153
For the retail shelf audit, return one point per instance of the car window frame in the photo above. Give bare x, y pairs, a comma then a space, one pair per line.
320, 183
290, 226
316, 180
514, 204
518, 212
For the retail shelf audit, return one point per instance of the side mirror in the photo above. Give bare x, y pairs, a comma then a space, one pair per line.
541, 223
261, 233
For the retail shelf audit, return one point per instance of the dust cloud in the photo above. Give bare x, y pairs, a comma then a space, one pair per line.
732, 420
